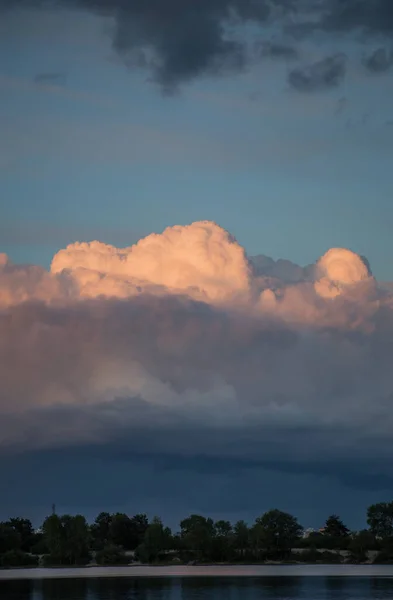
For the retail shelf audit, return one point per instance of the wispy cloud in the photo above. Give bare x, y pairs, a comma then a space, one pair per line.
53, 85
54, 78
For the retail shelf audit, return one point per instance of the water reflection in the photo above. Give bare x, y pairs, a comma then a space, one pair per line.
63, 589
381, 588
201, 588
17, 590
138, 589
242, 588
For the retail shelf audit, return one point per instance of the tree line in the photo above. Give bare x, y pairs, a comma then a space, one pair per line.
115, 539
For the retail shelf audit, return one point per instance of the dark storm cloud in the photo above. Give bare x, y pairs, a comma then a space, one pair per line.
177, 39
294, 391
323, 74
379, 61
90, 479
373, 16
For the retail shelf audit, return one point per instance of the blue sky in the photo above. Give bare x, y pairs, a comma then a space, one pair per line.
117, 126
99, 152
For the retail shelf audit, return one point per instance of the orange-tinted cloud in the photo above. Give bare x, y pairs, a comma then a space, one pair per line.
181, 330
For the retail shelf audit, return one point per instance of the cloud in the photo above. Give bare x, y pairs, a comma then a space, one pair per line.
321, 75
373, 17
176, 40
201, 259
182, 346
379, 61
272, 49
176, 43
55, 78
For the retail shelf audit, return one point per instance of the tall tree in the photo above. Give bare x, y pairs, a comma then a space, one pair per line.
279, 531
380, 519
122, 531
223, 540
335, 527
197, 533
76, 537
25, 530
241, 537
52, 529
67, 538
139, 525
157, 539
9, 538
100, 530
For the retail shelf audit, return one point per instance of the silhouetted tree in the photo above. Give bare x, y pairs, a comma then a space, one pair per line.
279, 531
335, 527
9, 538
156, 541
380, 519
241, 537
25, 530
197, 533
67, 538
222, 541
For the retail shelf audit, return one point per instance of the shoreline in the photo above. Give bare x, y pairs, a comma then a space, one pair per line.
275, 570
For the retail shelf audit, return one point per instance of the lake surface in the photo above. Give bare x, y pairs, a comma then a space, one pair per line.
201, 583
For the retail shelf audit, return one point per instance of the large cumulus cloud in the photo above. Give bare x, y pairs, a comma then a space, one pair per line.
182, 345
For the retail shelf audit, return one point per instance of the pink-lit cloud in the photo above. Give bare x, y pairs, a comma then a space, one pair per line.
182, 330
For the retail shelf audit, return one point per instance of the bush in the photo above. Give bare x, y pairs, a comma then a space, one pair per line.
309, 556
51, 560
17, 558
112, 555
313, 556
322, 541
331, 558
357, 558
385, 557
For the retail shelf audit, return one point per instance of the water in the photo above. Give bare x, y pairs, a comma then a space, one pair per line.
243, 583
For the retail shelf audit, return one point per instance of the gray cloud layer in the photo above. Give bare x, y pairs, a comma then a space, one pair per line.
178, 40
180, 346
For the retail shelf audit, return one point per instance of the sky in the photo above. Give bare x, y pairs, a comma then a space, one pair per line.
196, 279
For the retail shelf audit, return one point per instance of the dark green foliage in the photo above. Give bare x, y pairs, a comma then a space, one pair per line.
222, 542
24, 529
308, 556
9, 538
18, 558
197, 534
50, 560
112, 555
277, 532
118, 529
100, 530
321, 541
380, 519
335, 528
241, 538
40, 545
359, 544
320, 557
384, 557
156, 542
67, 539
333, 558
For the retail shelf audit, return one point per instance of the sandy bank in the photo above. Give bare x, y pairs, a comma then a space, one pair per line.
204, 571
